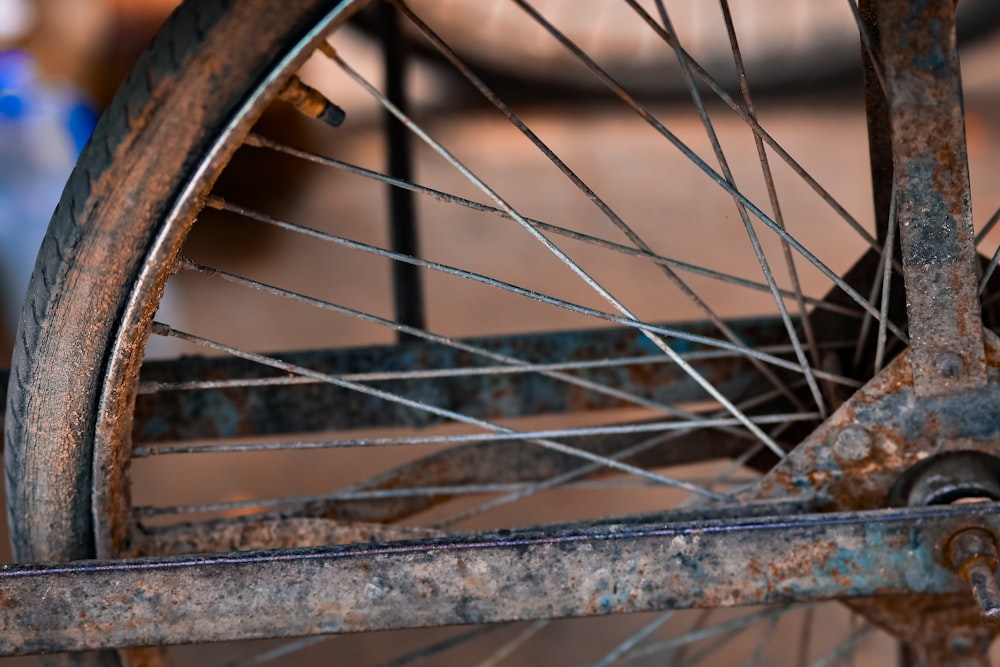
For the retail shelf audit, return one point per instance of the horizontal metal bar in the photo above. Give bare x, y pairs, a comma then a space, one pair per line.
271, 410
559, 572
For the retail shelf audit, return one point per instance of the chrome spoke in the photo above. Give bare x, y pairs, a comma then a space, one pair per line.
593, 197
425, 335
613, 429
720, 92
763, 642
440, 647
156, 386
846, 649
687, 267
631, 642
163, 329
723, 628
513, 644
990, 270
645, 327
626, 314
744, 216
988, 227
278, 652
648, 116
569, 476
772, 191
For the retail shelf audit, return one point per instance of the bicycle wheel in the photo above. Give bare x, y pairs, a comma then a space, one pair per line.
595, 367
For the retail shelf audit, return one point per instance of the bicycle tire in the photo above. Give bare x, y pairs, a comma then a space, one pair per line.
79, 347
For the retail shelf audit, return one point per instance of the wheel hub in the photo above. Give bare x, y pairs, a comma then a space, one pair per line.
889, 446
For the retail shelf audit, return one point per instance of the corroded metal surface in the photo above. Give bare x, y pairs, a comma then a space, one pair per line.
275, 531
934, 210
854, 459
596, 570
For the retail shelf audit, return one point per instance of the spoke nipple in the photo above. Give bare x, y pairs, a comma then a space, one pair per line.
853, 443
973, 554
949, 364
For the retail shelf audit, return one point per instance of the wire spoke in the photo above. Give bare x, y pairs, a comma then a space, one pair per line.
553, 482
988, 227
513, 644
879, 290
627, 315
156, 386
631, 642
645, 113
744, 216
279, 652
420, 333
772, 190
594, 198
847, 648
726, 628
440, 647
645, 327
265, 360
264, 142
568, 476
990, 269
721, 93
410, 492
616, 429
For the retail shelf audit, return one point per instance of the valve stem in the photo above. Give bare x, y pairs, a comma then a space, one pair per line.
973, 554
311, 102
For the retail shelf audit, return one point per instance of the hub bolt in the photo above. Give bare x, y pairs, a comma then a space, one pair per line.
973, 554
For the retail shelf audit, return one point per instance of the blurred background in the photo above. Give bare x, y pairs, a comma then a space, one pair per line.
63, 59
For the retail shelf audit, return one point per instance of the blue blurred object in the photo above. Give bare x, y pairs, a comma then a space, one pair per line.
43, 127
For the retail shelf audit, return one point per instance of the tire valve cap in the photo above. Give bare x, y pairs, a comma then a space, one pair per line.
973, 554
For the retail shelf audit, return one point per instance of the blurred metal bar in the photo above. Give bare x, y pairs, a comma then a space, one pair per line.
407, 283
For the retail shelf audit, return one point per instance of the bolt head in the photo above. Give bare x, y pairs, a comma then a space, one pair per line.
853, 443
949, 364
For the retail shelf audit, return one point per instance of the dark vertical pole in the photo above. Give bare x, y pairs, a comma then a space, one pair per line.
879, 132
406, 278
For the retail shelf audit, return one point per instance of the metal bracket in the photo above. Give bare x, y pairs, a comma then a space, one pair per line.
933, 203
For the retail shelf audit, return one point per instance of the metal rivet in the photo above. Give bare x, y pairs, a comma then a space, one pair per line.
853, 443
949, 364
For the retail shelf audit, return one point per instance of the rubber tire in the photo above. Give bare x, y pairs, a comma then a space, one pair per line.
148, 148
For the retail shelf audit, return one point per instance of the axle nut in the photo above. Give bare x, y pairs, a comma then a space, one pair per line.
973, 554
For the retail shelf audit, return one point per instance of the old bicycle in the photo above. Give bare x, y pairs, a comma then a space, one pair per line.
803, 433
